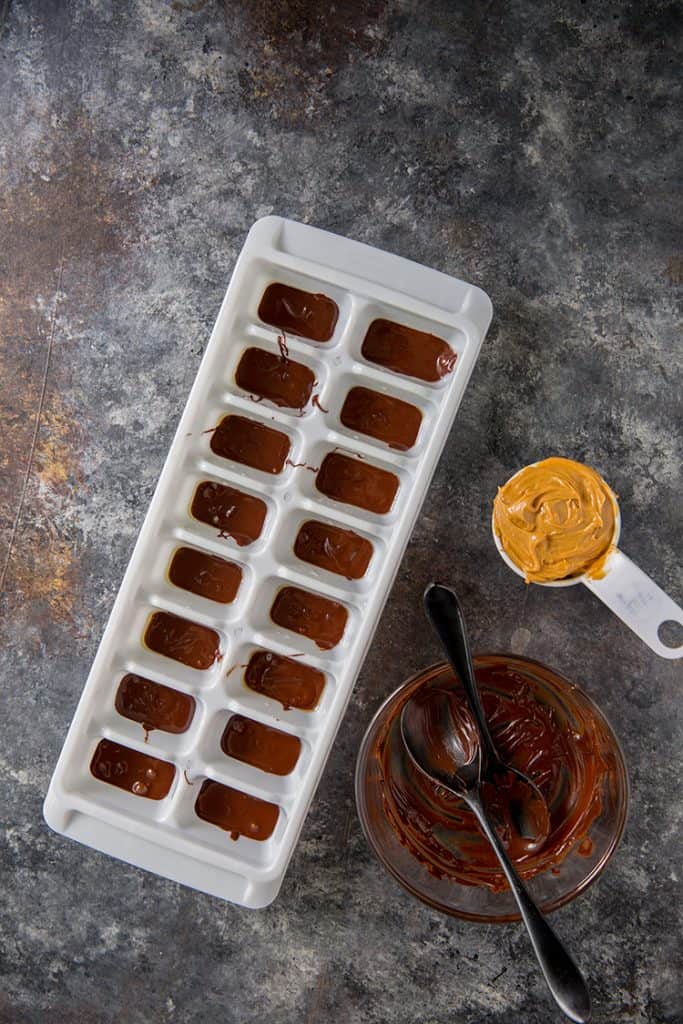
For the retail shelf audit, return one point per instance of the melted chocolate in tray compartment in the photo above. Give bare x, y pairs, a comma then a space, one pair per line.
129, 769
188, 642
382, 416
310, 315
154, 706
329, 547
354, 482
260, 745
236, 812
276, 377
206, 575
286, 680
320, 619
251, 443
407, 351
233, 513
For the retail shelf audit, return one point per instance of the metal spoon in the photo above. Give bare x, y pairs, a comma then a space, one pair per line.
441, 739
527, 806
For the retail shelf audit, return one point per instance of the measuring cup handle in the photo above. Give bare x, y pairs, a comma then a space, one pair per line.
638, 602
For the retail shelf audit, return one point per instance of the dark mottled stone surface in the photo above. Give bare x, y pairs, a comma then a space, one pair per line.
530, 148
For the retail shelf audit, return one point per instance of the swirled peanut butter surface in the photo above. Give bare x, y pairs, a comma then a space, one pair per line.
556, 519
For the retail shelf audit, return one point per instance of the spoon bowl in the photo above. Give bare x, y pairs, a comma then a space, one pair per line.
441, 737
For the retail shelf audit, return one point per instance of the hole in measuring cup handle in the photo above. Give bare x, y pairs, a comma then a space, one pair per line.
670, 633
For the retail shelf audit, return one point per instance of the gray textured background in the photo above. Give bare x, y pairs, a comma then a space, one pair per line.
527, 147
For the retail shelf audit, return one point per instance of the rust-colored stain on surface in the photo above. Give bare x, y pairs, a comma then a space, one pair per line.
192, 8
674, 270
39, 453
299, 45
40, 567
58, 227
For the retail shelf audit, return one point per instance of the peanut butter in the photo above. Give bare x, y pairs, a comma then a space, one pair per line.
556, 519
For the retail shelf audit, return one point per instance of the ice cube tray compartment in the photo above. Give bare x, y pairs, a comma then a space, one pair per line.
210, 519
162, 589
256, 702
421, 406
307, 571
219, 762
454, 338
223, 508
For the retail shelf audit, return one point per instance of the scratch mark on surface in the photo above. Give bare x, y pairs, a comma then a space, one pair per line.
3, 15
313, 1015
347, 827
36, 429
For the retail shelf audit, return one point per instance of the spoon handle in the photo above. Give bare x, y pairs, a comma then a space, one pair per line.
446, 616
563, 977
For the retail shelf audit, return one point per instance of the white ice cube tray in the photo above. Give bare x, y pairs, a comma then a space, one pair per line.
167, 836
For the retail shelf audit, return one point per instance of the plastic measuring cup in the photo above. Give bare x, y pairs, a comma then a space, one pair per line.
626, 590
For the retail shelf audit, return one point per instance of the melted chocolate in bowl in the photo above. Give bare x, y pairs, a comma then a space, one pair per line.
128, 769
278, 378
154, 706
251, 443
233, 513
205, 575
310, 315
286, 680
188, 642
407, 351
430, 840
354, 482
387, 418
236, 812
260, 745
320, 619
330, 547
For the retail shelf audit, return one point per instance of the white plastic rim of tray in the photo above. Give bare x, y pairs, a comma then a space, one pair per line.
166, 836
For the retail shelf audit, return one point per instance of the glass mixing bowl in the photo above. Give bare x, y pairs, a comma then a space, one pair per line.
550, 888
